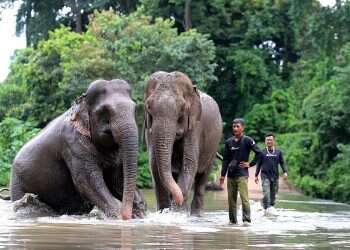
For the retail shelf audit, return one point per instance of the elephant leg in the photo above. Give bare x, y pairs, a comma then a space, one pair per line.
16, 191
88, 180
198, 195
162, 195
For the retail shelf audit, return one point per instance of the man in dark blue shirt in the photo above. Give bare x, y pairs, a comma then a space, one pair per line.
268, 165
235, 165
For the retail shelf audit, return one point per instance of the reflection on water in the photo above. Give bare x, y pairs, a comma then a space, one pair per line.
300, 223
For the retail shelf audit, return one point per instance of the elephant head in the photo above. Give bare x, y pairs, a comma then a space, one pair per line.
172, 110
106, 114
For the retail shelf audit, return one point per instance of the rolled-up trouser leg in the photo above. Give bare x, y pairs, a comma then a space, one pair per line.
232, 190
243, 192
266, 192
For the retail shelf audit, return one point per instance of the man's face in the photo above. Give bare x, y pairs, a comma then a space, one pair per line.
237, 129
269, 141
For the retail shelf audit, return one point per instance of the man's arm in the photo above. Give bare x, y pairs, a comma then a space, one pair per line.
257, 152
252, 146
282, 163
258, 165
225, 163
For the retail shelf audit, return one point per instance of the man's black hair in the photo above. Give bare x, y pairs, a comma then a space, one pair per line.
270, 134
238, 120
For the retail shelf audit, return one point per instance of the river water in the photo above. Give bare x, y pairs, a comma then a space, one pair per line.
300, 223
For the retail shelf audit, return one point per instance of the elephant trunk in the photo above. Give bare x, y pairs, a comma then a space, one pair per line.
164, 137
126, 135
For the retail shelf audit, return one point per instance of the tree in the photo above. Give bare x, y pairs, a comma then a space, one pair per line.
38, 17
13, 134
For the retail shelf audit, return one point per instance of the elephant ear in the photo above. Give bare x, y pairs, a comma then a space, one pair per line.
148, 117
193, 109
80, 116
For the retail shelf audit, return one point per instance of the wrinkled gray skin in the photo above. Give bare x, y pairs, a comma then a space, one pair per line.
183, 129
85, 157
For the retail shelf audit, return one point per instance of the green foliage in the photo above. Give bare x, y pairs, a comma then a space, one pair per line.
326, 107
338, 175
144, 177
215, 171
275, 116
314, 187
299, 150
13, 135
11, 100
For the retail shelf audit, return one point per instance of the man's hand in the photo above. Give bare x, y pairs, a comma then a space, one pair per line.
222, 180
285, 176
244, 164
256, 179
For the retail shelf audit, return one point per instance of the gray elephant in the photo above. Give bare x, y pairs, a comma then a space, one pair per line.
86, 157
183, 130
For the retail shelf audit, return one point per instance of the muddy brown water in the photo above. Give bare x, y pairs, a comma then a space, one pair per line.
300, 223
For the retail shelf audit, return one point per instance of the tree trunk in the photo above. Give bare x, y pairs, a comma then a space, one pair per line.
76, 10
28, 21
78, 22
188, 15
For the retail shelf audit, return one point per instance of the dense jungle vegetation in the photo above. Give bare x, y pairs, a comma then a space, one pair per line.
283, 65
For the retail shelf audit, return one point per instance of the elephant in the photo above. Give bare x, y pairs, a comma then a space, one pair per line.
86, 157
183, 128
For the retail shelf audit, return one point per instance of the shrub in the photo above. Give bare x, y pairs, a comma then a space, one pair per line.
14, 134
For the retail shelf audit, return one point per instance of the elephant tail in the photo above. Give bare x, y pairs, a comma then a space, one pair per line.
5, 197
219, 156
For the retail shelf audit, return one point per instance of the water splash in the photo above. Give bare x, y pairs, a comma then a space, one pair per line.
287, 228
283, 221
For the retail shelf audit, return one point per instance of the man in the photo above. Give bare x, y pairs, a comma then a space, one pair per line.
235, 164
268, 165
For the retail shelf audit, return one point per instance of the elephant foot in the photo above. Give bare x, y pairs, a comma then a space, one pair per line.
113, 213
30, 206
139, 206
180, 209
97, 213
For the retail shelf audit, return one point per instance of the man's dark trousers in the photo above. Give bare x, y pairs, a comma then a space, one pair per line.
270, 189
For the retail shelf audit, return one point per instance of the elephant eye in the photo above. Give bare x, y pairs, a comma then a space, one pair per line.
103, 114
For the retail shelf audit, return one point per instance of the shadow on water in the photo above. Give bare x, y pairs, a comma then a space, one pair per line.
300, 222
